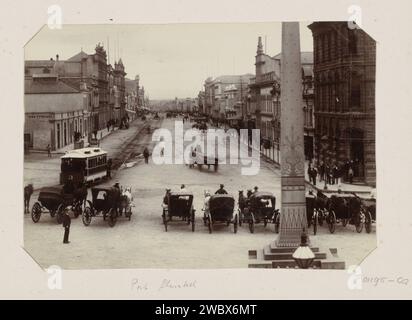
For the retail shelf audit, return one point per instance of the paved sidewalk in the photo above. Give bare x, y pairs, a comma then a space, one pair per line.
42, 171
345, 187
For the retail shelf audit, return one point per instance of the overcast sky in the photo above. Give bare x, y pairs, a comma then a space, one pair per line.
173, 60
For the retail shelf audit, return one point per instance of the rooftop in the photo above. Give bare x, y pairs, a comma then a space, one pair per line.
47, 84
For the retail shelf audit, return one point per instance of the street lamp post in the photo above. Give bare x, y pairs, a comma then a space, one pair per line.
303, 255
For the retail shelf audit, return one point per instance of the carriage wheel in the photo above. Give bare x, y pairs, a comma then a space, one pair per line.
368, 222
164, 220
36, 212
315, 222
87, 216
209, 224
235, 224
345, 222
331, 220
59, 216
193, 220
112, 217
360, 222
320, 217
252, 223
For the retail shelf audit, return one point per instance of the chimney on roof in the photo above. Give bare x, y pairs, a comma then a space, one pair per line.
57, 57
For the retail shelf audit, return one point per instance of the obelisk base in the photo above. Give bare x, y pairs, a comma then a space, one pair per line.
273, 257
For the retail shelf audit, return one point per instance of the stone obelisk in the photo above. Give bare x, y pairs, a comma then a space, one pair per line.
293, 209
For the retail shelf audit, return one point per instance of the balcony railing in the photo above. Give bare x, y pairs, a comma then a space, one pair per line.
266, 77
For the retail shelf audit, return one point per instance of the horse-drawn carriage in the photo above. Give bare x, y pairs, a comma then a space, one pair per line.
107, 202
260, 207
201, 159
179, 205
220, 210
345, 208
368, 209
54, 200
316, 209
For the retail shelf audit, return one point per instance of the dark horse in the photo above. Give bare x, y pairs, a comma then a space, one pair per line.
28, 191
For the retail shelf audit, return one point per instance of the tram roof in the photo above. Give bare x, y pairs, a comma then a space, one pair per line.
84, 153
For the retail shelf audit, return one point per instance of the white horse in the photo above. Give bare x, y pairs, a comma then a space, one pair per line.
126, 200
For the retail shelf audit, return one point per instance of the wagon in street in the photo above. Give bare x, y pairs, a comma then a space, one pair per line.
179, 205
220, 210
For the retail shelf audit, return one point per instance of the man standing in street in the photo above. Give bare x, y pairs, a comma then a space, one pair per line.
48, 151
146, 155
66, 225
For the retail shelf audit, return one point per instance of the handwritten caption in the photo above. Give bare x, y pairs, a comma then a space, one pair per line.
138, 285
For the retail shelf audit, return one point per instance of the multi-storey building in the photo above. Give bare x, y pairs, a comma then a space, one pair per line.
217, 93
120, 90
263, 101
345, 63
54, 112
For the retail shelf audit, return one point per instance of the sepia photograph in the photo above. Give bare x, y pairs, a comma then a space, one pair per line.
200, 146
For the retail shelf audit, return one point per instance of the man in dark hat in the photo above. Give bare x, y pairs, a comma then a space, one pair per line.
146, 155
221, 190
255, 189
66, 225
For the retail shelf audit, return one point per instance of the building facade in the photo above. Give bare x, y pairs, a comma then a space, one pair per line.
344, 70
263, 101
218, 91
55, 112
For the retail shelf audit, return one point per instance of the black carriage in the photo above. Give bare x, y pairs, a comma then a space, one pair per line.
261, 207
316, 208
344, 208
221, 207
105, 203
179, 205
54, 200
368, 209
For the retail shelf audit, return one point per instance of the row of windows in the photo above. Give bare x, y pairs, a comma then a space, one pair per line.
330, 45
331, 98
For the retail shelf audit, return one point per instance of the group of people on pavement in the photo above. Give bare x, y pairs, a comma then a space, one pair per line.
331, 173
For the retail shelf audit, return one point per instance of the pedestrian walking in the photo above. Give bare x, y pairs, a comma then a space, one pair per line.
66, 225
108, 126
322, 171
350, 175
310, 172
109, 168
49, 151
146, 155
314, 173
335, 174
